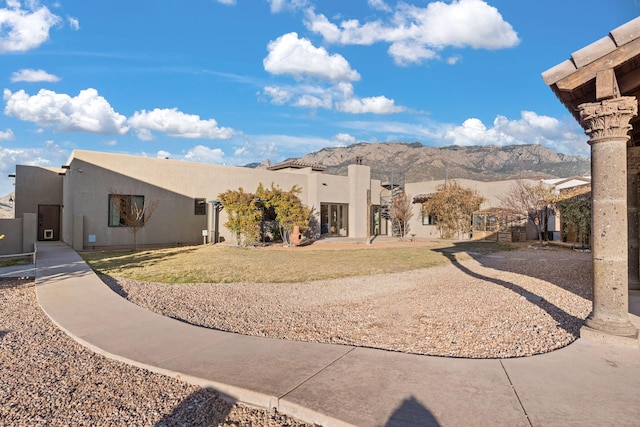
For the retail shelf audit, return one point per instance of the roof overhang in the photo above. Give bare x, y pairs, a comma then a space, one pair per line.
607, 68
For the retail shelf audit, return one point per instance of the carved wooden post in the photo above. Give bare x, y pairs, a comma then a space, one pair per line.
607, 124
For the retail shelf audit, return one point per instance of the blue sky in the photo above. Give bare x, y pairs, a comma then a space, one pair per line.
241, 81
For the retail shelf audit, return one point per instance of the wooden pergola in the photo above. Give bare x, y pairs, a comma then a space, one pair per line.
600, 86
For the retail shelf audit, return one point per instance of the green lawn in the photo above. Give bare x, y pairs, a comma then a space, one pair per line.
224, 264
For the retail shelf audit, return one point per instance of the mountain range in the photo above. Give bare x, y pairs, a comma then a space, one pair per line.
424, 163
6, 206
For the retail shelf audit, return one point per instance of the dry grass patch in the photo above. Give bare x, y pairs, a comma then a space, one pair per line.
12, 261
224, 264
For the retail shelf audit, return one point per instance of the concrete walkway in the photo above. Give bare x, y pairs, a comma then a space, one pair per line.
583, 384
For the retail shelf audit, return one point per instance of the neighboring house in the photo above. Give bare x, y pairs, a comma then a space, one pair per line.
424, 225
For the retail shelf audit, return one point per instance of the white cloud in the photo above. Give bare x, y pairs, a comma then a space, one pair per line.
291, 55
374, 104
256, 151
531, 128
418, 33
453, 60
278, 95
379, 5
282, 5
49, 155
73, 23
200, 153
405, 53
314, 102
273, 145
30, 75
86, 112
176, 123
339, 97
23, 30
7, 135
344, 139
561, 136
111, 143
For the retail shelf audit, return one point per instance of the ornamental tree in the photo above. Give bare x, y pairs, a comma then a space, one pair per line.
452, 206
287, 207
243, 215
246, 210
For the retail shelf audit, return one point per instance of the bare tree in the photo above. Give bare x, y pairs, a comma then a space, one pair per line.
533, 202
134, 212
400, 213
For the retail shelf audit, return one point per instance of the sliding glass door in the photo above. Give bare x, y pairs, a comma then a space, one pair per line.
334, 219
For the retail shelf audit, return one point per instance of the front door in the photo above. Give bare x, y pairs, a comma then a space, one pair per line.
48, 222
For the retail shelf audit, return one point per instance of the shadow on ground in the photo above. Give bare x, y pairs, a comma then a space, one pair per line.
564, 320
201, 408
537, 263
412, 413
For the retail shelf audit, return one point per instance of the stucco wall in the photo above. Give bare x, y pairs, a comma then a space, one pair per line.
36, 186
12, 230
491, 191
174, 185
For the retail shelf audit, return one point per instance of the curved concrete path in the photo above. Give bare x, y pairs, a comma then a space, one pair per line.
583, 384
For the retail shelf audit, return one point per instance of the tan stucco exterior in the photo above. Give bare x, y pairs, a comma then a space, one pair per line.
83, 186
89, 177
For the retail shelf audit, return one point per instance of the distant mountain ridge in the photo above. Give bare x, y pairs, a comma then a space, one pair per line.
6, 206
424, 163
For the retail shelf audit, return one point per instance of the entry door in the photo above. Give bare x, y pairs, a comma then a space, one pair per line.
48, 222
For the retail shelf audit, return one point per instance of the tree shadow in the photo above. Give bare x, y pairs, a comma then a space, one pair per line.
204, 407
564, 320
113, 285
412, 413
128, 258
536, 266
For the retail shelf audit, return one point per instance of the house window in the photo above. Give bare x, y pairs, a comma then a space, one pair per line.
200, 206
334, 219
125, 210
428, 219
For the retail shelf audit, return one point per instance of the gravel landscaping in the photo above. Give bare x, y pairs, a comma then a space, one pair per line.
509, 304
47, 379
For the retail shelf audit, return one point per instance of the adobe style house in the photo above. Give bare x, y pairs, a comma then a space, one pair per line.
76, 203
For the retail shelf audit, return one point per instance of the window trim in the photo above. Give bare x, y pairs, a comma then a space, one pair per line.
114, 210
430, 219
199, 206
